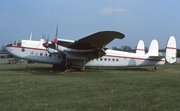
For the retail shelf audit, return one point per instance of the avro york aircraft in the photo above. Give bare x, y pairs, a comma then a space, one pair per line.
91, 51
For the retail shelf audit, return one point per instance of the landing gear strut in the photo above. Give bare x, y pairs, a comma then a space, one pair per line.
83, 65
156, 68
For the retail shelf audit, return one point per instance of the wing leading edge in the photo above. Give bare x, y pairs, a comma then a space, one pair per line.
100, 39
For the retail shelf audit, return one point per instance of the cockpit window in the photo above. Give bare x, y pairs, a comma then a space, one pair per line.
17, 43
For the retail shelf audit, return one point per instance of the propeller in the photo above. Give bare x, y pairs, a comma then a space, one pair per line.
55, 41
45, 44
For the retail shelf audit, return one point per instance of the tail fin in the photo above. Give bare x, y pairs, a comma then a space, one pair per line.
153, 48
171, 50
140, 48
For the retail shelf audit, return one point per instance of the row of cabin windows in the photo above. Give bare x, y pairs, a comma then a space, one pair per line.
107, 59
42, 54
101, 59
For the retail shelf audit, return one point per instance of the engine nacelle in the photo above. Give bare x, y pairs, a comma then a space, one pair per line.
65, 49
51, 50
77, 56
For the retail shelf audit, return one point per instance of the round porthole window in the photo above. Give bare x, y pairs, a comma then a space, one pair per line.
41, 54
22, 49
32, 53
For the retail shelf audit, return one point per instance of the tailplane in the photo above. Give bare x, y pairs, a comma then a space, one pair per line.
140, 48
171, 50
153, 48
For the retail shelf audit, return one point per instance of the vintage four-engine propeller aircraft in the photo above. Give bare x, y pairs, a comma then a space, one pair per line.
91, 51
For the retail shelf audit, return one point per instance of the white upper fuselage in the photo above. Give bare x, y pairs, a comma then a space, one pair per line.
34, 50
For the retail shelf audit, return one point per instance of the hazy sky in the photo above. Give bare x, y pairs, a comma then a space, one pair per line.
137, 19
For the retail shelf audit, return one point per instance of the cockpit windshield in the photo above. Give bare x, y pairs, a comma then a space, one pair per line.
17, 43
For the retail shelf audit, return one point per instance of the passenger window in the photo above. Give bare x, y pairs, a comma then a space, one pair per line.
41, 54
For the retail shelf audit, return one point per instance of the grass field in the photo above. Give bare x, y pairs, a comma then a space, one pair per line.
35, 87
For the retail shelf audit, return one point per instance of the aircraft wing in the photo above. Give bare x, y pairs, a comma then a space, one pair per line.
93, 44
100, 39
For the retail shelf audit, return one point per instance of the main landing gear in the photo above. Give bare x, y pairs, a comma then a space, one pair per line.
64, 66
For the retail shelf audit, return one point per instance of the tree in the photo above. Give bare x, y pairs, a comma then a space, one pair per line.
115, 48
3, 48
126, 48
162, 50
146, 49
178, 52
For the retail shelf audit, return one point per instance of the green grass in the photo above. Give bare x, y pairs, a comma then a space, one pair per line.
35, 87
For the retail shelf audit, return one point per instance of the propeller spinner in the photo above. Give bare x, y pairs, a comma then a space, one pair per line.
46, 43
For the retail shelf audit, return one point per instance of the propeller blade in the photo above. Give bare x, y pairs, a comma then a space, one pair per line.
56, 32
46, 44
55, 41
47, 39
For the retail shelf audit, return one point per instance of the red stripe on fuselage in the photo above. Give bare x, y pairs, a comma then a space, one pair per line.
25, 47
134, 58
104, 55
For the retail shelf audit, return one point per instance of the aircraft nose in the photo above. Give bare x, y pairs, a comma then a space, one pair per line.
7, 47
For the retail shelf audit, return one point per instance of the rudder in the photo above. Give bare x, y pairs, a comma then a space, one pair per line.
153, 48
171, 50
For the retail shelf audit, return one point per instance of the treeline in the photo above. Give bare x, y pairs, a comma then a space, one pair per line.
2, 49
129, 49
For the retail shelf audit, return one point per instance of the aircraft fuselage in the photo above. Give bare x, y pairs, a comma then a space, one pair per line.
33, 50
